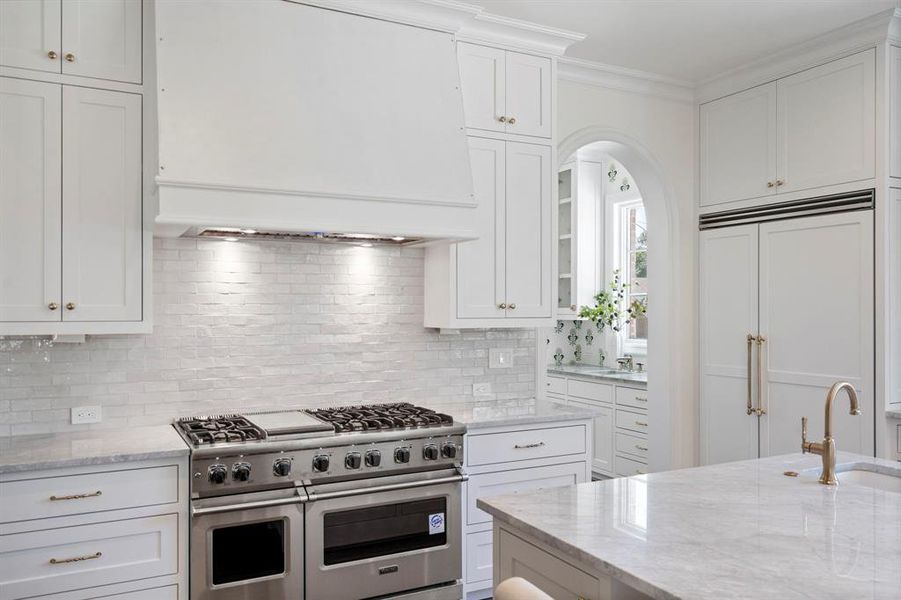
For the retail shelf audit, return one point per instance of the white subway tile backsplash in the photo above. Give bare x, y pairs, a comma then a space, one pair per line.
261, 324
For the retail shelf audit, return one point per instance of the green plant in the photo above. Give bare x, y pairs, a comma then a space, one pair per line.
608, 311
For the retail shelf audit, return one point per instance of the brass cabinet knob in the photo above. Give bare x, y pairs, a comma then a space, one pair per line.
512, 120
53, 306
502, 305
52, 55
502, 119
70, 306
69, 57
770, 184
512, 306
572, 307
779, 182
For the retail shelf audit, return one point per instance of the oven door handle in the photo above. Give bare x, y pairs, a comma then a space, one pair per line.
314, 496
212, 510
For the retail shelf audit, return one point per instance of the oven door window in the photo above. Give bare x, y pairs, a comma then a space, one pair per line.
361, 533
251, 551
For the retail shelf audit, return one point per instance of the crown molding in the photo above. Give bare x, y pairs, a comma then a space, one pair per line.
832, 45
464, 20
624, 79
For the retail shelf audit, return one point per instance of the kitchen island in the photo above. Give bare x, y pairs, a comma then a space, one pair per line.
735, 530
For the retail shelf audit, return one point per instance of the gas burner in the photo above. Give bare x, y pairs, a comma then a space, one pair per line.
202, 431
376, 417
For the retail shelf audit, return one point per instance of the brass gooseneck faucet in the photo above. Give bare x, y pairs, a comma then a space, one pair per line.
826, 448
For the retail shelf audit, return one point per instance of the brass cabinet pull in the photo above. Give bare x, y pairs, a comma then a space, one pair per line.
502, 305
642, 448
750, 409
69, 57
572, 307
641, 423
52, 55
770, 184
526, 446
53, 306
502, 119
779, 182
512, 306
61, 561
760, 410
640, 472
76, 496
512, 120
70, 306
641, 399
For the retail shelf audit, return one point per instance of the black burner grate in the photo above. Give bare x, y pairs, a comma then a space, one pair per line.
376, 417
202, 431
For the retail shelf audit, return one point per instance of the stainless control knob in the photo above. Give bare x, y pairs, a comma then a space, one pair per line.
241, 471
320, 463
449, 450
430, 452
352, 460
401, 455
373, 458
217, 473
281, 467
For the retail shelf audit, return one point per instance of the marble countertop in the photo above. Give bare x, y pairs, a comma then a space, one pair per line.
95, 447
500, 413
604, 373
735, 530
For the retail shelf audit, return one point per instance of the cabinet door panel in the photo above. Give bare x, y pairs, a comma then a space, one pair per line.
895, 117
827, 124
30, 200
480, 262
29, 31
528, 233
482, 79
816, 313
528, 94
603, 443
738, 142
104, 37
728, 313
102, 208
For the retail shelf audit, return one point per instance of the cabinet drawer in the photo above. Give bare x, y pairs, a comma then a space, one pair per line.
632, 397
558, 579
556, 385
636, 445
170, 592
633, 421
479, 557
589, 390
87, 492
56, 560
626, 467
510, 446
517, 480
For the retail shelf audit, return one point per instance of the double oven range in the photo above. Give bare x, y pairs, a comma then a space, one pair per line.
339, 503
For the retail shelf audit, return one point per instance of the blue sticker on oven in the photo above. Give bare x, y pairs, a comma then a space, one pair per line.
436, 523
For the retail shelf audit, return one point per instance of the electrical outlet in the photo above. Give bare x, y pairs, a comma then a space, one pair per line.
500, 358
85, 414
481, 389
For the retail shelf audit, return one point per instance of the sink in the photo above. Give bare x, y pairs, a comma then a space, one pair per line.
871, 479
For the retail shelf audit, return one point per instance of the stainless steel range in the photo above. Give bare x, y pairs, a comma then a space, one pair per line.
338, 503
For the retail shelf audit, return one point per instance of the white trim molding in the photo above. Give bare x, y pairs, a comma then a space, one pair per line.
623, 79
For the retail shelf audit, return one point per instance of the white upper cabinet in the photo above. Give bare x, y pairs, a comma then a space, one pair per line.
505, 91
895, 117
90, 38
102, 38
810, 130
30, 202
738, 134
528, 235
481, 273
482, 75
30, 34
827, 124
102, 208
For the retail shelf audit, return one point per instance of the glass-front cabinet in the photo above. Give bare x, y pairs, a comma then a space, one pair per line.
579, 244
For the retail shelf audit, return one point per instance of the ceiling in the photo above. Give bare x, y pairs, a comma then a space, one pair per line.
689, 40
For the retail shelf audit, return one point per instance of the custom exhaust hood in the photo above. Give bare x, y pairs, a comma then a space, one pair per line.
284, 117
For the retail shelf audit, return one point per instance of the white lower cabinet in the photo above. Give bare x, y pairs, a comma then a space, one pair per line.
117, 531
506, 460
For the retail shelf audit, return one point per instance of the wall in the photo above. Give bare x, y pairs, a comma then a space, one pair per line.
663, 130
261, 324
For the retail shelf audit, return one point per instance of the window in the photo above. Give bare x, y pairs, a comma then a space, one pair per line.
630, 257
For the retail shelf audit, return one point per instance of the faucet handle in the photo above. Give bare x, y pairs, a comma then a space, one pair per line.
804, 446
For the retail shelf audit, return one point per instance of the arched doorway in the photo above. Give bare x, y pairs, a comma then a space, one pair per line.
672, 407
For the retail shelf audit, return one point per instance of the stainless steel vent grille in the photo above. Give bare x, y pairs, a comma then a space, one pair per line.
821, 205
233, 234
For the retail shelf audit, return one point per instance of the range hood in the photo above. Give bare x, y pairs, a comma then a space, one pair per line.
280, 116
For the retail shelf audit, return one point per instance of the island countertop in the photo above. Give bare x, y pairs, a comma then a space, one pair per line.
734, 530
